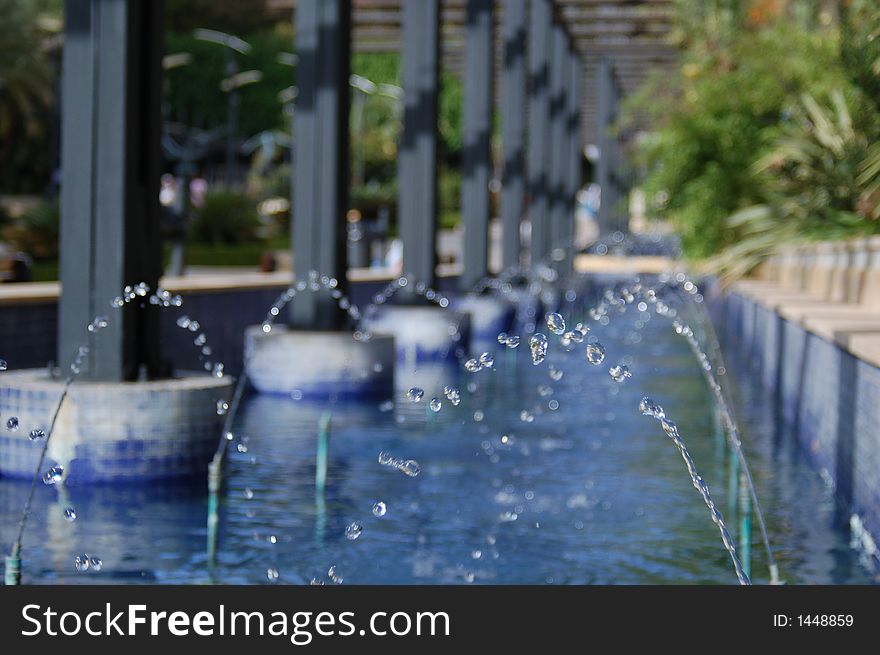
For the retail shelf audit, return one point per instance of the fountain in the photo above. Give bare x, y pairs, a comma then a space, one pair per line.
513, 406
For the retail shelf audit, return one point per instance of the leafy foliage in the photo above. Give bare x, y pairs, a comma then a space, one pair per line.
227, 216
37, 230
26, 93
194, 96
762, 133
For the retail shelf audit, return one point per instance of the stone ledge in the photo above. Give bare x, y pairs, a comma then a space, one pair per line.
831, 322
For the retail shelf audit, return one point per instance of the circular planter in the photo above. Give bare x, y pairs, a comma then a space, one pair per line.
319, 364
112, 431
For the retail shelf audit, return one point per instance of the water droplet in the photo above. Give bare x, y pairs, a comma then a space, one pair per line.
512, 341
99, 323
538, 348
218, 370
436, 404
248, 494
353, 530
222, 407
3, 365
487, 360
649, 408
595, 353
477, 554
70, 514
410, 467
37, 434
53, 475
379, 509
95, 563
472, 365
555, 323
452, 394
272, 575
502, 338
12, 423
526, 416
81, 563
415, 394
669, 427
555, 373
333, 574
619, 373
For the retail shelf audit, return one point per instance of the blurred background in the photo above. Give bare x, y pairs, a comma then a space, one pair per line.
755, 123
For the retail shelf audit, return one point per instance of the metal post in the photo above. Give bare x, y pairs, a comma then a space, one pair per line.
215, 482
733, 481
557, 162
605, 165
417, 157
12, 572
320, 170
513, 118
539, 113
110, 191
322, 452
477, 131
745, 526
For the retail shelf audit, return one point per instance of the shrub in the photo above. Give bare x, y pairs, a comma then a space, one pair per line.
721, 112
37, 230
227, 216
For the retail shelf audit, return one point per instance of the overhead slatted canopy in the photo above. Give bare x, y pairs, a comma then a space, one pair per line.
632, 34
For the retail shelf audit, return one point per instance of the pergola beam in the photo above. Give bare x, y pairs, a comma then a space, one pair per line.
513, 119
417, 156
110, 196
539, 49
320, 171
476, 136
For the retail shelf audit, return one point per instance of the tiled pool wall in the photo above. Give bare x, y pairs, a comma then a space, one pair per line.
827, 397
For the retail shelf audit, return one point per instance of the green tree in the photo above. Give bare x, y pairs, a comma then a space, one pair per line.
26, 93
738, 83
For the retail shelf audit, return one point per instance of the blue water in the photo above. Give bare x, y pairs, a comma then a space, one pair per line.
599, 493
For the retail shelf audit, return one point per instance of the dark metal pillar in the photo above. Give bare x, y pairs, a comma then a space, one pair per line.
574, 148
608, 209
540, 17
320, 170
417, 157
513, 118
110, 182
477, 131
557, 162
